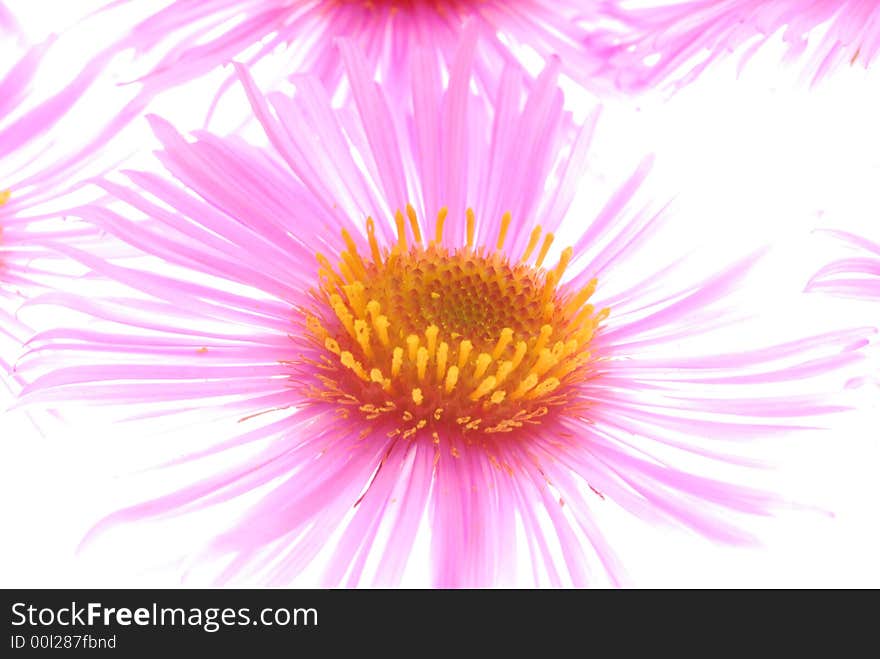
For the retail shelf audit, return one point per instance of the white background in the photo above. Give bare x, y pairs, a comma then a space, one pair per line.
749, 158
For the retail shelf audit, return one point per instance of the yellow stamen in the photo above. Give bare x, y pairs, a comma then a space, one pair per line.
471, 225
414, 224
546, 361
412, 345
533, 242
578, 300
521, 349
451, 379
350, 362
441, 220
401, 231
327, 268
442, 357
502, 233
343, 314
483, 361
422, 362
564, 260
503, 341
374, 244
543, 337
484, 388
431, 334
362, 334
547, 386
381, 325
524, 386
396, 361
504, 369
360, 269
464, 351
548, 240
355, 295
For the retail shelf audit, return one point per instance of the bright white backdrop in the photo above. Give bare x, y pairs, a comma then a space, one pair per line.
749, 158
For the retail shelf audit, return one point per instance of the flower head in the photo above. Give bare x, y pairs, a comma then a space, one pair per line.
39, 164
201, 36
380, 299
676, 41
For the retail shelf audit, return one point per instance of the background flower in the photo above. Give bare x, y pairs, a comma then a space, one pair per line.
225, 314
45, 150
676, 41
186, 39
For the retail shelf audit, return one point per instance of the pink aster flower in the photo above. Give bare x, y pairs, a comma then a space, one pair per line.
40, 160
857, 276
26, 181
195, 37
377, 302
676, 41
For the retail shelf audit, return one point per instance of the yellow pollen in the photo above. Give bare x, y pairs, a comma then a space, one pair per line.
445, 342
4, 196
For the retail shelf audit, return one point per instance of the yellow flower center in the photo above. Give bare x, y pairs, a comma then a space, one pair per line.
426, 339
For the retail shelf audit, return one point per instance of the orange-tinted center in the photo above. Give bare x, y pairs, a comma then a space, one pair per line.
426, 339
